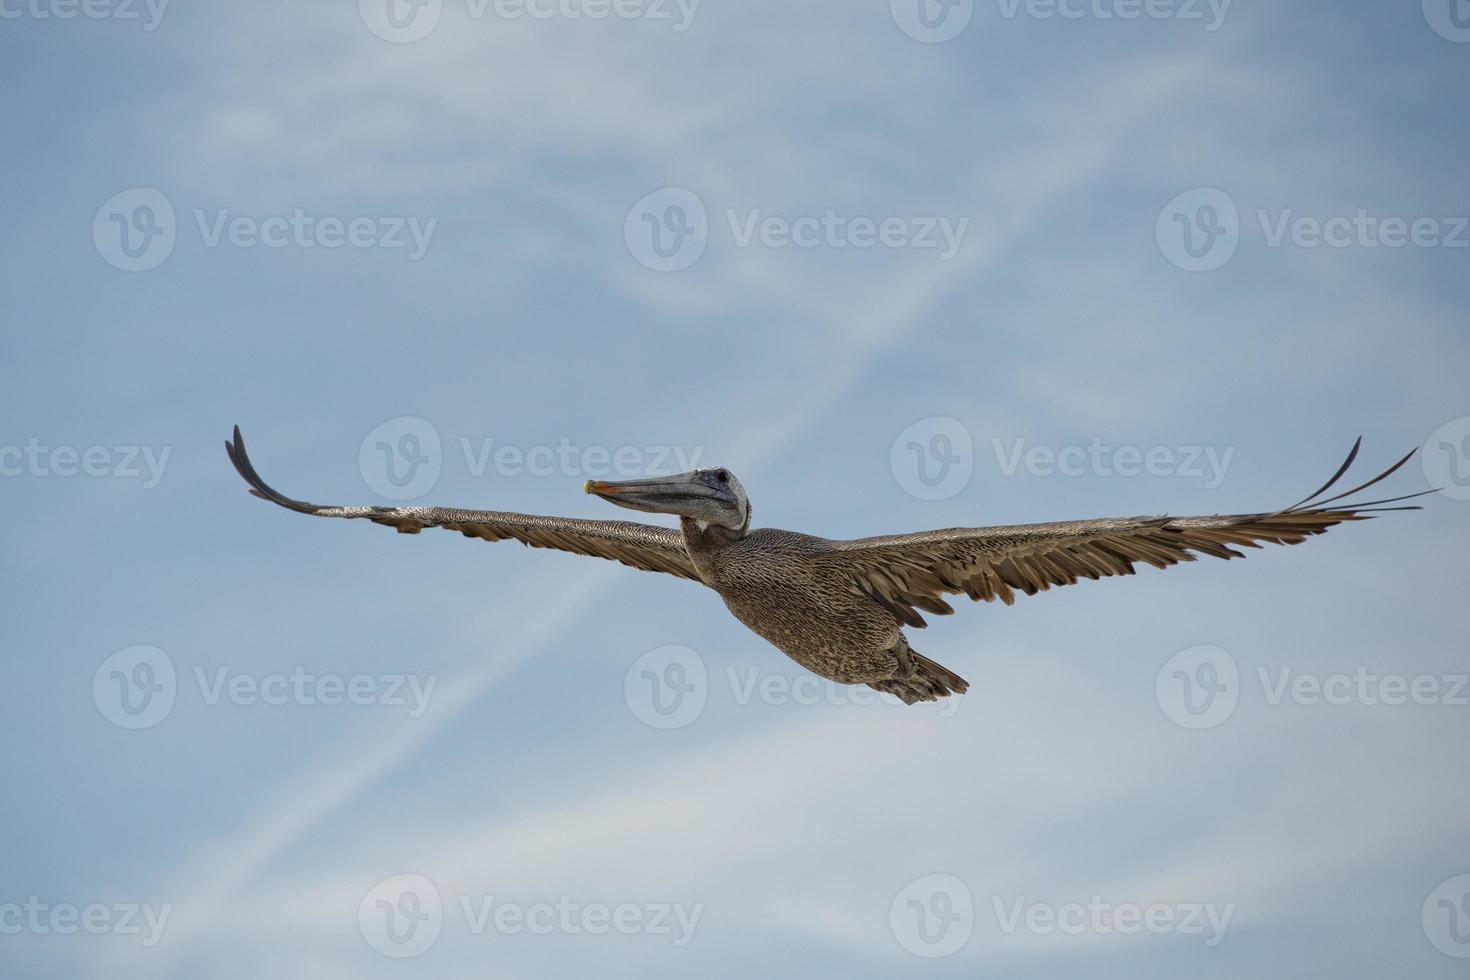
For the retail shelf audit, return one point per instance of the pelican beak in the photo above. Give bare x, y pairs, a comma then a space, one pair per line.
684, 494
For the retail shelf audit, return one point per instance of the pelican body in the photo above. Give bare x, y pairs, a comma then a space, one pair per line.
838, 608
788, 590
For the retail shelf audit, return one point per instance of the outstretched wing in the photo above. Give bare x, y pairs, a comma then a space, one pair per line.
909, 572
652, 549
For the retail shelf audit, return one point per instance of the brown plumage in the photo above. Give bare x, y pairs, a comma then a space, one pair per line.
837, 607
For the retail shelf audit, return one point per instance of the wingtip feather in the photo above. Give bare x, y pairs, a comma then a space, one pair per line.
258, 486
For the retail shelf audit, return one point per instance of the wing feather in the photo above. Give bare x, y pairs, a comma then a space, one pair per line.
641, 546
907, 573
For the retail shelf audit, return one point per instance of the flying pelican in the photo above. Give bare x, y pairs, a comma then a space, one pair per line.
838, 607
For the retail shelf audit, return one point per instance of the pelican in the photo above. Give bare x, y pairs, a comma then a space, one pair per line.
838, 608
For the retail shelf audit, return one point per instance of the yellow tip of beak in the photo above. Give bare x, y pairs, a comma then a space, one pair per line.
600, 487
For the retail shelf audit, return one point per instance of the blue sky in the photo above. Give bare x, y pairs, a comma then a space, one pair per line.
338, 236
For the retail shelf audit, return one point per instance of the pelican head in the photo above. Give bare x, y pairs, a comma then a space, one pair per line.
709, 496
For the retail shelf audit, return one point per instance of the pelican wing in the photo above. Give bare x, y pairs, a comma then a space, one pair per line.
643, 546
910, 572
